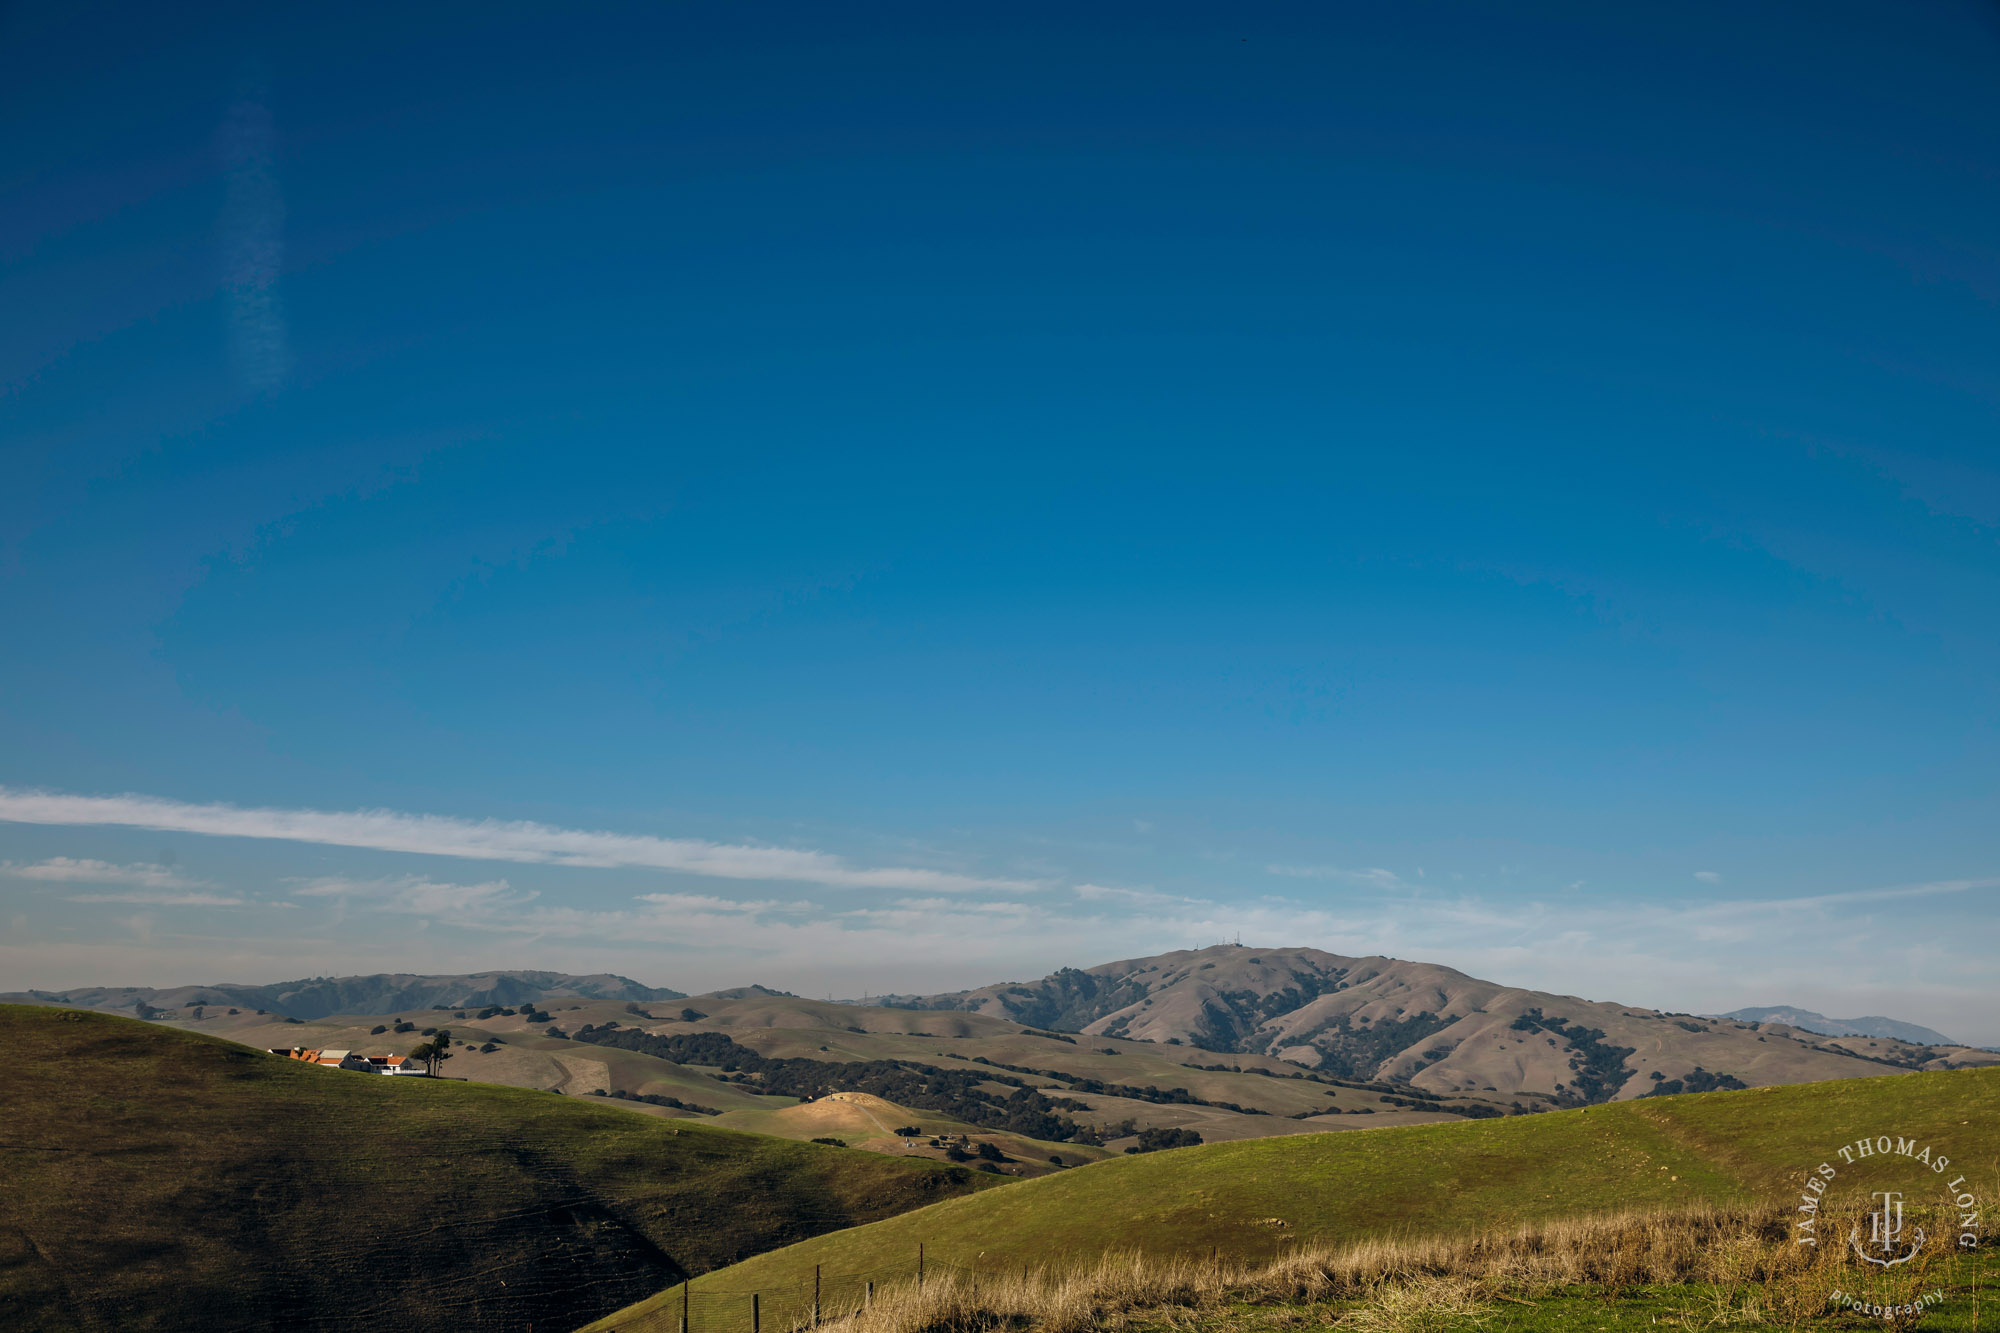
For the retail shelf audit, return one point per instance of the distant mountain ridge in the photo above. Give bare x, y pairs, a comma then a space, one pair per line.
378, 993
1873, 1025
1427, 1025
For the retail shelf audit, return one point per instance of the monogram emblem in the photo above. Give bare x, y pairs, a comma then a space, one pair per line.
1885, 1230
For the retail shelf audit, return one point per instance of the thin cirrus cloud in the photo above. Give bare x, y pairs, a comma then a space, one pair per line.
82, 870
1105, 893
1372, 875
156, 898
146, 884
486, 840
418, 896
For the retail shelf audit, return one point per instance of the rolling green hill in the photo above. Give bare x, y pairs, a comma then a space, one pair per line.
1252, 1198
158, 1179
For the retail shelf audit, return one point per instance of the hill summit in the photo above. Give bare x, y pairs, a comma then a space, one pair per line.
1872, 1025
1428, 1025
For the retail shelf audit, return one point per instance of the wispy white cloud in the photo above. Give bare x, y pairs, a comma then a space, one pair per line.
1373, 876
488, 840
1107, 893
703, 902
948, 906
496, 905
80, 870
417, 896
1708, 876
156, 898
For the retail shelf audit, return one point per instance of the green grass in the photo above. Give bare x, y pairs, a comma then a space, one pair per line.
1972, 1302
157, 1179
1252, 1198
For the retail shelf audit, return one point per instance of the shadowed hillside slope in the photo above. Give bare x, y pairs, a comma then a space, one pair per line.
1250, 1200
156, 1179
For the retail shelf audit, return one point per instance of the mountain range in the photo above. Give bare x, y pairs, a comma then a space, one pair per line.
1873, 1025
1385, 1022
379, 993
1430, 1026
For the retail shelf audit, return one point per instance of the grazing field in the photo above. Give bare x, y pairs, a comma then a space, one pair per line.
1694, 1269
1253, 1201
156, 1179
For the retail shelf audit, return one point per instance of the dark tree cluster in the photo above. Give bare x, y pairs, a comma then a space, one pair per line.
1137, 1093
1357, 1052
1598, 1067
962, 1093
1153, 1140
659, 1099
1700, 1080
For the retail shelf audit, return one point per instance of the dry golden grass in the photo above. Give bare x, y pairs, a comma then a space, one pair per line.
1725, 1268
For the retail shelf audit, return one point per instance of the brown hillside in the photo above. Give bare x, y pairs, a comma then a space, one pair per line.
1426, 1024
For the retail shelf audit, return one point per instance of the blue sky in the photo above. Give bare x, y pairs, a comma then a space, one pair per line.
904, 497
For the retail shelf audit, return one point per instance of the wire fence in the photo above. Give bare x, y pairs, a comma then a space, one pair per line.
785, 1307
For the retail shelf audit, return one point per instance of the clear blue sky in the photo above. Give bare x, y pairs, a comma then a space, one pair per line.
1509, 485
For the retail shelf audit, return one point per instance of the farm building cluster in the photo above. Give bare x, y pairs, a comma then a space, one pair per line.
367, 1064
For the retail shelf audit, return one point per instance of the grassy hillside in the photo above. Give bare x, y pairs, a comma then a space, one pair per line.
1250, 1200
860, 1120
156, 1179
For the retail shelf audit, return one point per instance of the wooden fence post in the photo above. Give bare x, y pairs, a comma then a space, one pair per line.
815, 1295
684, 1307
920, 1263
755, 1325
